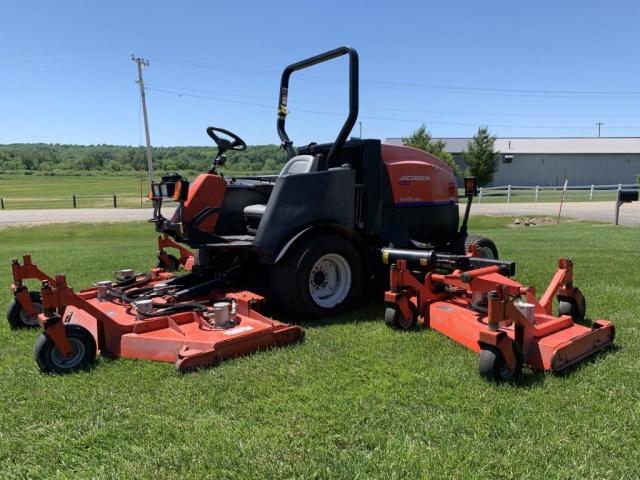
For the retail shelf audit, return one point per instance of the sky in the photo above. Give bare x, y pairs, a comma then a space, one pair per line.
543, 68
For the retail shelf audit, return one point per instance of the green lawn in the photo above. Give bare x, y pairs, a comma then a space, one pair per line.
34, 191
355, 400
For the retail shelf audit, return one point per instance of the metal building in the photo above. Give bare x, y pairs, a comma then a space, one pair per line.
551, 161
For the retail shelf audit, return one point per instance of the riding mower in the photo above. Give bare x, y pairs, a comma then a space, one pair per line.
308, 239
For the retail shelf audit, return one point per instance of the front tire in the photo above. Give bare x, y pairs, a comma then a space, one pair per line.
51, 360
18, 317
321, 276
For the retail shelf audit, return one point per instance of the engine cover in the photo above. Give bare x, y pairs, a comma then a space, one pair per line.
418, 178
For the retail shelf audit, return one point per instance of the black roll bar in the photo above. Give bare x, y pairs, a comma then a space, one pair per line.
353, 97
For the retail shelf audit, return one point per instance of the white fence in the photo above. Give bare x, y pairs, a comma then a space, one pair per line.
573, 193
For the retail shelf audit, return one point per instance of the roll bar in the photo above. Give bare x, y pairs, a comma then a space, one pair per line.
287, 144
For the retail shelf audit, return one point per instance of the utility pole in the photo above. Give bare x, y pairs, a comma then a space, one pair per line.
360, 125
141, 62
599, 124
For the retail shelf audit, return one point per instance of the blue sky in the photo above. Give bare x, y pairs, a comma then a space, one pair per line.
543, 68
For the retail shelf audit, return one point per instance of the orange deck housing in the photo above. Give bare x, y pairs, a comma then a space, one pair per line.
445, 303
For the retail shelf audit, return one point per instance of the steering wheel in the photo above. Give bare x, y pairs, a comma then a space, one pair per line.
223, 144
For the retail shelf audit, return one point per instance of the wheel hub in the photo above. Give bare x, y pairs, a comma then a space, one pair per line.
63, 362
330, 280
319, 278
29, 320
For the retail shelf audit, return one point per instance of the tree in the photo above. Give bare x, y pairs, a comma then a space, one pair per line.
481, 157
421, 139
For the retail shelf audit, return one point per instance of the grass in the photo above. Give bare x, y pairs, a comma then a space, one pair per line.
355, 400
24, 191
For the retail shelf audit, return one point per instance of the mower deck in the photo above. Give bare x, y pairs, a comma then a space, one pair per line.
488, 312
145, 316
185, 338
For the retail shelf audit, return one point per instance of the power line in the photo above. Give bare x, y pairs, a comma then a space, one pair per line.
521, 92
368, 117
407, 110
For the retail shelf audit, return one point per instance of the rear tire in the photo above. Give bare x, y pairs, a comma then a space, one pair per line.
492, 366
319, 277
51, 360
486, 247
18, 318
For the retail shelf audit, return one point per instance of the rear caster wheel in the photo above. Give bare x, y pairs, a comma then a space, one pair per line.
174, 264
575, 307
51, 360
493, 367
19, 318
394, 318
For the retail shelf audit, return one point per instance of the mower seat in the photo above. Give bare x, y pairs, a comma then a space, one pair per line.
297, 165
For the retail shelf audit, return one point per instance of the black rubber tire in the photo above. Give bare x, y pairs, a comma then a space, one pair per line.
482, 243
575, 308
47, 355
491, 364
175, 264
15, 312
394, 319
290, 276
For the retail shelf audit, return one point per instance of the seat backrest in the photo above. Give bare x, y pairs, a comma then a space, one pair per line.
300, 164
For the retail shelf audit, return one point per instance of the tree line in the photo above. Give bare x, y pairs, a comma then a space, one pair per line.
481, 158
52, 158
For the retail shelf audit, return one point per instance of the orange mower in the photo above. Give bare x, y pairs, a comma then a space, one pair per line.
308, 241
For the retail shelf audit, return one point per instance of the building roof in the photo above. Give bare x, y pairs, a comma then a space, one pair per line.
579, 145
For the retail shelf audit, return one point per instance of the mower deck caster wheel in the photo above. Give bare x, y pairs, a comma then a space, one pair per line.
51, 360
492, 365
575, 307
393, 318
17, 316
